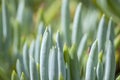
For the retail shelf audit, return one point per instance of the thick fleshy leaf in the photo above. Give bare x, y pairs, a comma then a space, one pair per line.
100, 67
51, 36
4, 19
37, 49
33, 69
26, 59
32, 49
110, 63
18, 68
92, 62
65, 21
110, 31
77, 28
40, 29
20, 10
101, 35
59, 41
82, 47
61, 63
44, 55
53, 64
68, 72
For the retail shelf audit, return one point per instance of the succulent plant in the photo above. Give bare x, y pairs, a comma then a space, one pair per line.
70, 53
62, 58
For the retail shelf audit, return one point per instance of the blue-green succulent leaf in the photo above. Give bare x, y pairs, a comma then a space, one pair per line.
32, 49
82, 47
41, 29
100, 67
4, 19
68, 72
20, 10
37, 49
59, 41
101, 35
65, 21
92, 62
26, 59
110, 31
53, 64
51, 36
33, 69
61, 62
110, 64
44, 55
77, 28
18, 68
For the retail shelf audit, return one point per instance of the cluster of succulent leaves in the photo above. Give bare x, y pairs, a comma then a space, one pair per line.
71, 53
